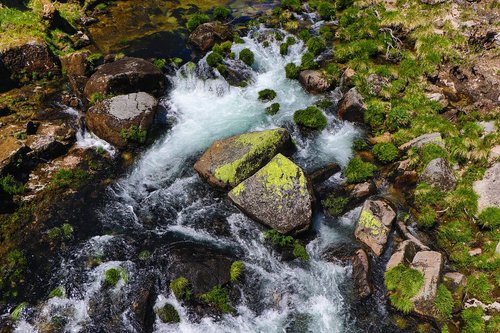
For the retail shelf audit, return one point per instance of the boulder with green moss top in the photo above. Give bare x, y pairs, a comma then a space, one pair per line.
207, 34
374, 224
430, 264
230, 161
278, 195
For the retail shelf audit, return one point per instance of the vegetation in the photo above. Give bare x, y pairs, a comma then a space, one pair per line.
310, 118
444, 302
181, 289
168, 314
287, 242
403, 283
221, 13
247, 56
134, 134
316, 45
358, 171
273, 109
479, 287
214, 59
334, 205
114, 275
490, 218
473, 320
18, 310
57, 292
236, 270
385, 152
195, 20
69, 178
11, 186
219, 298
267, 95
292, 71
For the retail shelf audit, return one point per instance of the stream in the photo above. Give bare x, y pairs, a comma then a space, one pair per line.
162, 211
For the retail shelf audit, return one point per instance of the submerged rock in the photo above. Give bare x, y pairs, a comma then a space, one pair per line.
488, 188
375, 223
207, 34
438, 173
125, 76
237, 73
123, 120
314, 82
278, 195
230, 161
352, 107
430, 264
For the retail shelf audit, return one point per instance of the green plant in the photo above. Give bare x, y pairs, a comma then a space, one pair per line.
195, 20
473, 320
432, 151
299, 251
168, 314
96, 98
425, 194
360, 145
11, 186
223, 48
375, 113
213, 59
159, 63
287, 242
284, 49
237, 268
444, 302
358, 171
180, 288
304, 35
479, 287
315, 45
221, 13
489, 218
335, 205
385, 152
427, 217
144, 255
403, 283
218, 297
326, 10
67, 178
57, 292
273, 109
247, 56
113, 275
267, 95
456, 231
134, 134
292, 71
222, 69
310, 118
308, 61
18, 310
462, 200
291, 4
397, 118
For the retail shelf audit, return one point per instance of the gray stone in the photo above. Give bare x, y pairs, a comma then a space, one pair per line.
207, 34
456, 282
352, 107
419, 142
278, 195
430, 264
488, 188
403, 255
438, 173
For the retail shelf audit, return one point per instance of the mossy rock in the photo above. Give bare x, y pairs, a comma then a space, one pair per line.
311, 118
168, 314
230, 161
278, 195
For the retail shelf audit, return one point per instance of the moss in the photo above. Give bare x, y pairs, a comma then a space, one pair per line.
432, 151
18, 310
489, 218
114, 275
144, 255
195, 20
403, 283
462, 200
12, 274
444, 302
385, 152
180, 288
237, 269
247, 56
358, 171
292, 71
300, 252
214, 59
310, 118
425, 194
287, 242
427, 217
168, 314
134, 134
284, 49
272, 109
479, 287
398, 118
57, 292
316, 45
308, 61
360, 145
258, 144
291, 4
160, 63
326, 10
219, 298
11, 186
335, 206
456, 232
375, 113
493, 325
280, 175
367, 220
267, 95
67, 178
221, 13
473, 320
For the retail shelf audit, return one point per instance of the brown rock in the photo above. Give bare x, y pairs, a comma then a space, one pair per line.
419, 142
404, 254
430, 264
314, 82
324, 173
75, 64
351, 107
11, 150
361, 274
362, 190
207, 34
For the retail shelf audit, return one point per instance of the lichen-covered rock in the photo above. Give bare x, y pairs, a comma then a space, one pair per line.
430, 264
123, 120
404, 254
438, 173
352, 107
207, 34
418, 142
230, 161
125, 76
361, 274
488, 188
278, 195
375, 223
314, 82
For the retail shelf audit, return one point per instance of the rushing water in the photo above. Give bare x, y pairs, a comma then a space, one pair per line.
163, 199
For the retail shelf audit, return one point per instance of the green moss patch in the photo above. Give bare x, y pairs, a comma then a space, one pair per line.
358, 171
403, 283
168, 314
219, 298
181, 288
310, 118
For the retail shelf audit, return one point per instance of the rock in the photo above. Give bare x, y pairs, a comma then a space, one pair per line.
228, 162
75, 64
430, 264
28, 58
324, 173
432, 2
351, 107
278, 195
488, 188
115, 118
494, 153
438, 173
376, 83
314, 82
419, 142
437, 97
406, 233
361, 274
238, 73
50, 140
362, 190
207, 34
142, 302
125, 76
404, 254
456, 282
475, 252
346, 81
375, 223
11, 150
497, 249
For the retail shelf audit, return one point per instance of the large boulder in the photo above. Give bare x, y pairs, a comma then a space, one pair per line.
375, 223
352, 107
488, 188
278, 195
230, 161
430, 264
125, 76
124, 119
314, 82
438, 173
24, 60
361, 274
207, 34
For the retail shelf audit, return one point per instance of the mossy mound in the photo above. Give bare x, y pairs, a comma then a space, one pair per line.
168, 314
311, 118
